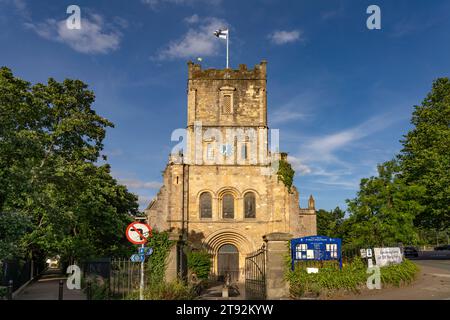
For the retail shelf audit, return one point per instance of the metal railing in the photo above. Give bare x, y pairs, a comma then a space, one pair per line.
15, 273
255, 275
124, 278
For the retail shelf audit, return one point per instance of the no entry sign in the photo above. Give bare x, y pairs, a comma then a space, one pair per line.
138, 232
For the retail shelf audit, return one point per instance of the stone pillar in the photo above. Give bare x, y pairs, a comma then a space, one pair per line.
277, 248
171, 273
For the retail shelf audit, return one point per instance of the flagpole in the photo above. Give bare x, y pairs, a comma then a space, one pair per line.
228, 36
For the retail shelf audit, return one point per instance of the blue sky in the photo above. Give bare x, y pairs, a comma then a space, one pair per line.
341, 94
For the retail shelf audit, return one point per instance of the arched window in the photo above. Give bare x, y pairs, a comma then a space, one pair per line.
205, 205
228, 206
249, 205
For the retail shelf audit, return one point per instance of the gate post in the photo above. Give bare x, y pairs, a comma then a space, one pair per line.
173, 260
277, 247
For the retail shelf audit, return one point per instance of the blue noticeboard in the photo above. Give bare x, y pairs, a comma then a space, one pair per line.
316, 248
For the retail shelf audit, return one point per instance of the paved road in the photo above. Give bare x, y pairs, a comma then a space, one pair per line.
215, 293
433, 283
47, 288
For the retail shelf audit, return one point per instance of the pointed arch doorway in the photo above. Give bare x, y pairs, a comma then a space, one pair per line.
228, 262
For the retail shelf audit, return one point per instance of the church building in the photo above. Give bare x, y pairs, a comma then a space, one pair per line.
223, 191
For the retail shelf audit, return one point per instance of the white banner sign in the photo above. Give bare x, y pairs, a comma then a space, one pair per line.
387, 256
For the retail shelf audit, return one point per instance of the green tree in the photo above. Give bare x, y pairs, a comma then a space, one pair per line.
425, 157
13, 226
329, 223
383, 211
50, 142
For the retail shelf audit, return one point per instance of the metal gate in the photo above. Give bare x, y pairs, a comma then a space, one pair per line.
255, 275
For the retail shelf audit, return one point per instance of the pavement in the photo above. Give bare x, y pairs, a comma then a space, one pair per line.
47, 288
215, 292
433, 283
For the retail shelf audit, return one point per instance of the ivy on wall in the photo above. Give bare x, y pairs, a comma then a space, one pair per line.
156, 264
199, 262
285, 172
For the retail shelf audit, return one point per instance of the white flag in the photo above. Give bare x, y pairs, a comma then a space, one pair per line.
222, 34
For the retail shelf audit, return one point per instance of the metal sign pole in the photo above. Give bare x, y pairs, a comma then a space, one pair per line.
141, 286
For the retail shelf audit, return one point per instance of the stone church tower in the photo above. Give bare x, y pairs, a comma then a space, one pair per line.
223, 192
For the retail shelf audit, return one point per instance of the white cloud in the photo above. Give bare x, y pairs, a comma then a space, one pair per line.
144, 201
138, 184
20, 6
333, 13
192, 19
323, 148
320, 156
336, 181
154, 4
283, 37
94, 37
297, 108
298, 165
197, 41
284, 115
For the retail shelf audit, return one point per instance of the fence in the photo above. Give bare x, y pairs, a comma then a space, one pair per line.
19, 271
120, 276
99, 267
124, 278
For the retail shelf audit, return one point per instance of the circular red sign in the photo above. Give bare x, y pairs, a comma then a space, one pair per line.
138, 232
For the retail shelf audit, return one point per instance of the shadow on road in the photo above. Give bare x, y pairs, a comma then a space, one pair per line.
46, 287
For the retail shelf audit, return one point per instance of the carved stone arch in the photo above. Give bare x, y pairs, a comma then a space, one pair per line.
258, 196
213, 194
232, 190
222, 237
215, 240
227, 88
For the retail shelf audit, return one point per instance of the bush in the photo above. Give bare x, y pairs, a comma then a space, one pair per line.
330, 278
3, 292
352, 278
99, 291
399, 274
175, 290
199, 262
99, 287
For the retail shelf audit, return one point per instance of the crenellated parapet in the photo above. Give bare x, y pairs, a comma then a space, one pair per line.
259, 72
